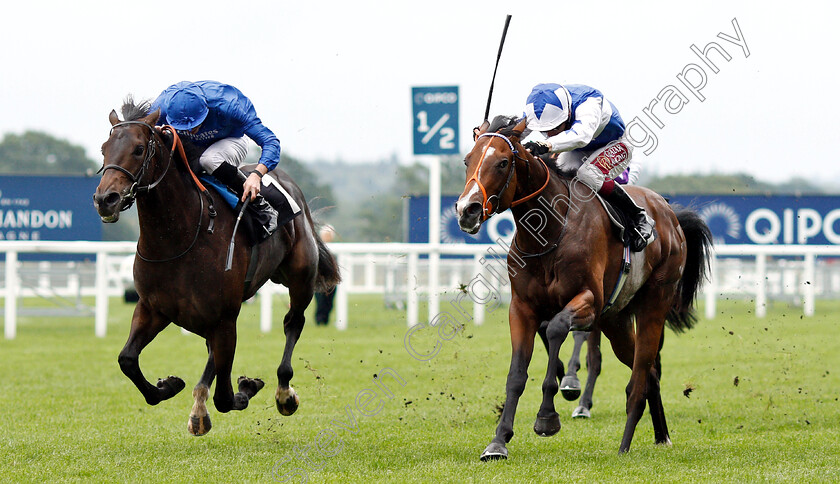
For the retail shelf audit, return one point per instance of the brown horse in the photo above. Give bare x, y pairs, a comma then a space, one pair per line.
179, 266
563, 264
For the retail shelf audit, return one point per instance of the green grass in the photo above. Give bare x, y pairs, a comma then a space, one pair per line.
68, 414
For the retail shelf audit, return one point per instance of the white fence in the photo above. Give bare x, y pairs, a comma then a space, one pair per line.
400, 272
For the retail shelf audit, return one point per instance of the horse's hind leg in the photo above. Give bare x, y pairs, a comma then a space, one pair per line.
223, 347
650, 323
300, 295
145, 325
654, 398
570, 385
593, 369
199, 423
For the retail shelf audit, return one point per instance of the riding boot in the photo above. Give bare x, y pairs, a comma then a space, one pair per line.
263, 213
641, 231
278, 200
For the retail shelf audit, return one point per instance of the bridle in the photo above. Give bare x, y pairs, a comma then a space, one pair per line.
487, 209
136, 188
151, 150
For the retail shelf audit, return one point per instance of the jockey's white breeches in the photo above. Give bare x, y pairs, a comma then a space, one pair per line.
227, 150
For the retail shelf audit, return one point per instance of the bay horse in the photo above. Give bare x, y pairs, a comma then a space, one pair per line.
564, 262
179, 264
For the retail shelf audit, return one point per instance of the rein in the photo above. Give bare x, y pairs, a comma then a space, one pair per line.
487, 203
151, 150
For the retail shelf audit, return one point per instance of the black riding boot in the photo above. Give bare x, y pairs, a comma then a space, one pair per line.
263, 213
641, 232
278, 200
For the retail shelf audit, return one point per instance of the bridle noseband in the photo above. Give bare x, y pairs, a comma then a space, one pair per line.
151, 150
487, 208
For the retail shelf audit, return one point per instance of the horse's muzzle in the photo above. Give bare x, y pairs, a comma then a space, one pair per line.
469, 218
108, 205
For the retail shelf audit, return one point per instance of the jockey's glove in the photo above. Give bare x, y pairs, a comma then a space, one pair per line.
537, 148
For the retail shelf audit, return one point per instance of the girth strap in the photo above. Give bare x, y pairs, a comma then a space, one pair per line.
622, 278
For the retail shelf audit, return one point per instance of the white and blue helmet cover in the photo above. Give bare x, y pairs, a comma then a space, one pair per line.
547, 107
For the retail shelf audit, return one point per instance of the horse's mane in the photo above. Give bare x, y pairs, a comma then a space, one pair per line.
132, 111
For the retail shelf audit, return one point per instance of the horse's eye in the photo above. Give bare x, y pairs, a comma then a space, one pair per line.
503, 164
138, 151
466, 163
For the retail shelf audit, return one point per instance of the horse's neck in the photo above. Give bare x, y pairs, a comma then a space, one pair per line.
167, 211
540, 220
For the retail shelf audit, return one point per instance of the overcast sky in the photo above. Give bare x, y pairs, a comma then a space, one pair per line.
333, 78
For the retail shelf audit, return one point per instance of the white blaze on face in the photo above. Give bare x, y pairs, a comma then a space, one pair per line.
467, 198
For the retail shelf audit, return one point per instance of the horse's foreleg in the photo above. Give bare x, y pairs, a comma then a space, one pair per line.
579, 312
593, 369
145, 325
570, 385
543, 336
223, 347
523, 329
199, 423
548, 421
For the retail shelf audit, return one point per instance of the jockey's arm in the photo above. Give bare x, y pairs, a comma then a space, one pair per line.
269, 157
587, 119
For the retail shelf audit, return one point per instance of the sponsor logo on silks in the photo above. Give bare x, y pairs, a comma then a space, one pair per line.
611, 157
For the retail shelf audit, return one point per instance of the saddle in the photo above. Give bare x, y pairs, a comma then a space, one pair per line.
618, 219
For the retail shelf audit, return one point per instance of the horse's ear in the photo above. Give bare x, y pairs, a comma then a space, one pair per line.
113, 118
519, 129
479, 130
152, 118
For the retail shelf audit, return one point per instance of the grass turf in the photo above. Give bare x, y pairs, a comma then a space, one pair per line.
764, 405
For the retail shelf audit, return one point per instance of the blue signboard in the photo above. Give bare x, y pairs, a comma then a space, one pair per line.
435, 111
499, 226
48, 208
733, 219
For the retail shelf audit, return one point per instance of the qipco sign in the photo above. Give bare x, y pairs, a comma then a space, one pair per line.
769, 220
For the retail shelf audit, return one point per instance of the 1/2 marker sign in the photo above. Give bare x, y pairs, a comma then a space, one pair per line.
435, 120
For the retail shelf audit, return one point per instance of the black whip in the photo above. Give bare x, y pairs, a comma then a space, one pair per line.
498, 56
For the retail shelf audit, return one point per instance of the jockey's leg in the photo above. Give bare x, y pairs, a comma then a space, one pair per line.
598, 172
642, 227
221, 160
286, 208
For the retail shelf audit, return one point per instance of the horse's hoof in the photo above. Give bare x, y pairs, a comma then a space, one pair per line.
665, 443
494, 451
547, 426
249, 386
570, 388
581, 412
287, 401
199, 426
170, 386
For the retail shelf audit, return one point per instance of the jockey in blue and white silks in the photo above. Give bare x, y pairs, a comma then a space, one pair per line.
218, 117
585, 130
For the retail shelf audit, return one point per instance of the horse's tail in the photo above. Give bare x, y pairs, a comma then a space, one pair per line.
328, 273
698, 239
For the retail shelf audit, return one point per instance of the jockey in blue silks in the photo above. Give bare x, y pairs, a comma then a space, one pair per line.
585, 130
217, 117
